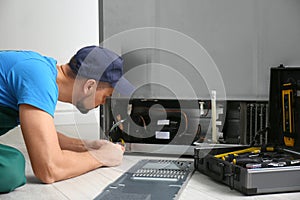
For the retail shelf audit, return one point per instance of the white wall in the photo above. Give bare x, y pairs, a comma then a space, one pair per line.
56, 28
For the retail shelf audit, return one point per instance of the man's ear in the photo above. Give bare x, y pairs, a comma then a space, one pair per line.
89, 86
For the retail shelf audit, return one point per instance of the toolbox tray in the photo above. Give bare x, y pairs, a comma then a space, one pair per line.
283, 81
247, 181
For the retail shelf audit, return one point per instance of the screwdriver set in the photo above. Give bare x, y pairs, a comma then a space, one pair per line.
264, 157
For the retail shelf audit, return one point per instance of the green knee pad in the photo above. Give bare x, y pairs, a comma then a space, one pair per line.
12, 169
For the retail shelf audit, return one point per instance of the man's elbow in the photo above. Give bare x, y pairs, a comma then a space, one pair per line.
45, 174
45, 179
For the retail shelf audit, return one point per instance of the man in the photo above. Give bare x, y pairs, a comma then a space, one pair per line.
30, 85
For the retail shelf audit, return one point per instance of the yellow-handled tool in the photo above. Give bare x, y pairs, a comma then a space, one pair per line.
288, 113
247, 150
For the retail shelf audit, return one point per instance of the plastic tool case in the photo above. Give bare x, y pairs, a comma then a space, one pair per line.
264, 169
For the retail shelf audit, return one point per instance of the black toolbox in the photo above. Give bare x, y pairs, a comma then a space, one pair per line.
274, 167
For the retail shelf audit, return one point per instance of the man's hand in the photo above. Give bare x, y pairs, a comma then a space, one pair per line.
108, 153
104, 151
94, 144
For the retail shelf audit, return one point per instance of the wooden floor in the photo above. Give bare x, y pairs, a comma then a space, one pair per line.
89, 185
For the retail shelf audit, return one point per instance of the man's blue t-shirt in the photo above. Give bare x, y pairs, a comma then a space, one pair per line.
27, 77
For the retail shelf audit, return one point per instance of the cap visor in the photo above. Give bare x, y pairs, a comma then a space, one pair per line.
124, 87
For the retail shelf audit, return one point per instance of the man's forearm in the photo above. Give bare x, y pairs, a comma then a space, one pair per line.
72, 144
55, 156
73, 164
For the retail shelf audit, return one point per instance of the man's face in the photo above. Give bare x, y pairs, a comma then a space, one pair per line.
94, 98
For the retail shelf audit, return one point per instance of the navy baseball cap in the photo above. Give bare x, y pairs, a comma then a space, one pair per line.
103, 65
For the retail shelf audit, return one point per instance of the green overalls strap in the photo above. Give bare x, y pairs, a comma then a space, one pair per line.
12, 161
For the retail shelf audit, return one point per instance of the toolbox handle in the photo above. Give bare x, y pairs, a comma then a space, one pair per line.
216, 174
